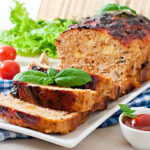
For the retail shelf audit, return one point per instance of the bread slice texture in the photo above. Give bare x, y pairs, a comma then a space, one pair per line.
103, 85
112, 45
54, 97
41, 119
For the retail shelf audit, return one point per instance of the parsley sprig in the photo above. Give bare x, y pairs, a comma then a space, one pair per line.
127, 111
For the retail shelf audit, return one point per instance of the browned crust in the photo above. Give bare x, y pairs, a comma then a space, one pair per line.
123, 26
38, 123
72, 101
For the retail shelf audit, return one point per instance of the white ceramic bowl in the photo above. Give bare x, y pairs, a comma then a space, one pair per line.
137, 138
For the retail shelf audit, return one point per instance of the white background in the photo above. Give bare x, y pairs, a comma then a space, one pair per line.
31, 5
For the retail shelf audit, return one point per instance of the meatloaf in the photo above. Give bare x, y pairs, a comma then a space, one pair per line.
97, 84
41, 119
54, 97
114, 45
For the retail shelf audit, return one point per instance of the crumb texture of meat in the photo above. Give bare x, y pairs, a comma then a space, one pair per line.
113, 45
41, 119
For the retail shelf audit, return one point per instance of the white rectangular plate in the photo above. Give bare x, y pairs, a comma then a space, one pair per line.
72, 139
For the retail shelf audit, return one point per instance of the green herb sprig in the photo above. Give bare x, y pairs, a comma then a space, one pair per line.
66, 78
114, 7
127, 111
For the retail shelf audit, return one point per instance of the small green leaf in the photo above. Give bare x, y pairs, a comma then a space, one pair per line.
108, 7
127, 8
36, 77
72, 77
127, 111
51, 72
114, 7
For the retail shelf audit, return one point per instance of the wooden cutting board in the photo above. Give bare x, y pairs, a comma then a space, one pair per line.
82, 8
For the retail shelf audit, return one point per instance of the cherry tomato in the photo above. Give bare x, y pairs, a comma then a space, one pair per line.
8, 69
7, 53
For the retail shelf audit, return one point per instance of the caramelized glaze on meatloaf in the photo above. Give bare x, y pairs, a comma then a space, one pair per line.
41, 119
59, 98
115, 45
97, 84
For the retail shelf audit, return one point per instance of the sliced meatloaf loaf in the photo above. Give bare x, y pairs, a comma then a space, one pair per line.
41, 119
68, 99
114, 45
98, 83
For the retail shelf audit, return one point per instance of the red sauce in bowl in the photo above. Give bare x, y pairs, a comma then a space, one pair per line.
140, 122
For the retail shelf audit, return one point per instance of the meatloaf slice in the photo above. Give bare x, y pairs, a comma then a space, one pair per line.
41, 119
115, 45
68, 99
103, 85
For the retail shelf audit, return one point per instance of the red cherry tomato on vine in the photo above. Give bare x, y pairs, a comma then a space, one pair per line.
7, 53
8, 69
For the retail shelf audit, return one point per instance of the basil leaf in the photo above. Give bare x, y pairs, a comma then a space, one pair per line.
36, 77
66, 78
114, 7
108, 7
72, 77
51, 72
127, 111
127, 8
